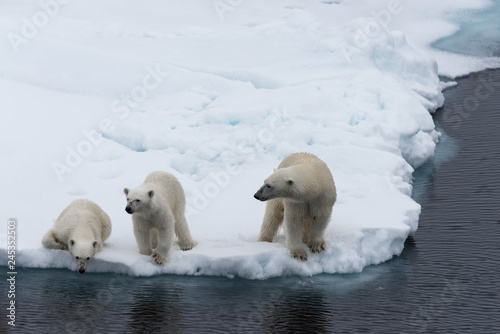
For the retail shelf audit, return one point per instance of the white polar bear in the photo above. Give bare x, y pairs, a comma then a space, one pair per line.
302, 193
82, 229
157, 208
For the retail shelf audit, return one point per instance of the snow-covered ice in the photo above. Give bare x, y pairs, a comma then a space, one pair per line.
97, 95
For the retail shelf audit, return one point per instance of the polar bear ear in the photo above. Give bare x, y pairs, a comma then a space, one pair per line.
151, 193
125, 190
289, 182
72, 242
94, 244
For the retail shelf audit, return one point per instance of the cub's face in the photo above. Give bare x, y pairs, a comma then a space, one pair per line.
277, 185
82, 252
137, 199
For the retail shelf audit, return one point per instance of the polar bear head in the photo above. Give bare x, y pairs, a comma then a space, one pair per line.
283, 183
138, 199
82, 251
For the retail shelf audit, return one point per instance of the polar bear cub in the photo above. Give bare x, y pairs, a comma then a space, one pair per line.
157, 208
82, 227
301, 193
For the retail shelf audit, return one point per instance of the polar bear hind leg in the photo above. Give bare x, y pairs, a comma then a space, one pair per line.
186, 242
50, 241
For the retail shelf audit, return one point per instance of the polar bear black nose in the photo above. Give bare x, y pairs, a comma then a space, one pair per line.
81, 270
260, 194
128, 209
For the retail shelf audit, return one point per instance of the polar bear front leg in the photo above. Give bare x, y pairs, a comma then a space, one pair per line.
294, 223
98, 246
142, 237
161, 254
273, 218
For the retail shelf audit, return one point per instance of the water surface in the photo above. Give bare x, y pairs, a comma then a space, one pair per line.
479, 33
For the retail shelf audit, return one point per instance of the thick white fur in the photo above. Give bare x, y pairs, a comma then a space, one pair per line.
82, 227
157, 207
301, 193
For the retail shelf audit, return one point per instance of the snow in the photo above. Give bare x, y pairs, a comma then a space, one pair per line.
97, 95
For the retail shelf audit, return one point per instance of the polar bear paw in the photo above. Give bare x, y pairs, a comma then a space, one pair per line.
158, 258
265, 239
317, 246
299, 254
185, 246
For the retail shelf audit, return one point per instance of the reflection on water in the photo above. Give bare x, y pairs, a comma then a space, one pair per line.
62, 301
155, 307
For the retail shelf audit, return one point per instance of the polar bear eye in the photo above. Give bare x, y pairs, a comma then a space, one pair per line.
88, 259
77, 257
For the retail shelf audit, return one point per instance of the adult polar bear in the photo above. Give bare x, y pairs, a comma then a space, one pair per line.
82, 227
157, 208
301, 192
